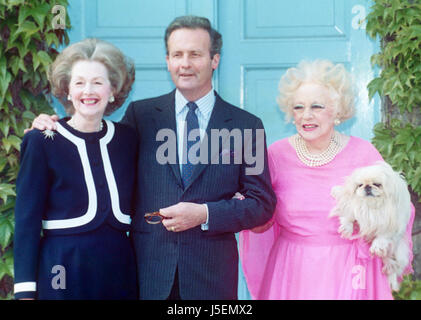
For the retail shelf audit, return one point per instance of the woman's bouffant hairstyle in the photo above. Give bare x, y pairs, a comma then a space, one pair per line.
323, 72
121, 72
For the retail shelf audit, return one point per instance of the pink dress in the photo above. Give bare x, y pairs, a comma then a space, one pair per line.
302, 256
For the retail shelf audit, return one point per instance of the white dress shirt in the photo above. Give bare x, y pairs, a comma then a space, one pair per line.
204, 110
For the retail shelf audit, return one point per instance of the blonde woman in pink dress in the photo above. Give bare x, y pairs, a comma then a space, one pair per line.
299, 254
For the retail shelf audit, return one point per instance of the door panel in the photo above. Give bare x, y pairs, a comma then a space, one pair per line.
273, 19
264, 38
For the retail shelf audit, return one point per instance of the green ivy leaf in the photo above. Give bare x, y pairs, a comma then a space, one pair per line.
3, 162
44, 58
375, 86
28, 115
6, 144
3, 67
23, 50
39, 13
4, 127
28, 28
51, 39
415, 31
6, 264
4, 83
6, 190
15, 141
24, 12
14, 3
15, 65
6, 231
415, 295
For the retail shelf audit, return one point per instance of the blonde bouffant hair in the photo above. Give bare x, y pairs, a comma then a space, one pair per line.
121, 72
323, 72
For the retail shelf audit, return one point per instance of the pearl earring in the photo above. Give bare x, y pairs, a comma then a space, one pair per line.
69, 97
337, 122
293, 121
111, 99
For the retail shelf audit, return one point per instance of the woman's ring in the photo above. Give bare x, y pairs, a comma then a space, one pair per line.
172, 229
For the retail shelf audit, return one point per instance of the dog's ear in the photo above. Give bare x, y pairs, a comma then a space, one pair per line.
343, 196
336, 192
395, 183
350, 184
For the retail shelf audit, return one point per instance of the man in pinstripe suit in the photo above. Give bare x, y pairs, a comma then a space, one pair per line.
193, 253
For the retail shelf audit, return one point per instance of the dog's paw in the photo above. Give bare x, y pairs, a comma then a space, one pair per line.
346, 230
393, 281
380, 247
390, 266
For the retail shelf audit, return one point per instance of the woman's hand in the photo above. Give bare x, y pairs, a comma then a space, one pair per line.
43, 122
264, 227
259, 229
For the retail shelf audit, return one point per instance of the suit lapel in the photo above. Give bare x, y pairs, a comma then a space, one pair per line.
165, 119
221, 118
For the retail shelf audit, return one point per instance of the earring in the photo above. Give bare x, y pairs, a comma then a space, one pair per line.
293, 122
69, 97
337, 122
111, 99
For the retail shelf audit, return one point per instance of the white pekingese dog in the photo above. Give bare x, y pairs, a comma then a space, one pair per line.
377, 198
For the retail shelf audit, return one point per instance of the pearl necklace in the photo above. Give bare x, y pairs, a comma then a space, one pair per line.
72, 123
317, 160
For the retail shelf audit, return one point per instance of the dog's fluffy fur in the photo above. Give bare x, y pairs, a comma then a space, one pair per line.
377, 198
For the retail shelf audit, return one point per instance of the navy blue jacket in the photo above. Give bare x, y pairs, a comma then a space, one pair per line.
70, 184
207, 261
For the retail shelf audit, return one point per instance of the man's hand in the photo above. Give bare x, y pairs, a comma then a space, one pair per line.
183, 216
44, 121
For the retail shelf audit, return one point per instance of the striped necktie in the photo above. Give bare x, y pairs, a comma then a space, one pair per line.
192, 123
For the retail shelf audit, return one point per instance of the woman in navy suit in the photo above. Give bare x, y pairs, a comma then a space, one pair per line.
75, 188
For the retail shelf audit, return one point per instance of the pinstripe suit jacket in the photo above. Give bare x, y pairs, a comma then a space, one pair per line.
207, 261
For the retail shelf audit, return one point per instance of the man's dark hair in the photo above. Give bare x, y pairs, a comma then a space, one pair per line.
195, 22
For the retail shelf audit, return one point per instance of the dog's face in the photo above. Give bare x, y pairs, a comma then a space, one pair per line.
370, 182
372, 188
373, 185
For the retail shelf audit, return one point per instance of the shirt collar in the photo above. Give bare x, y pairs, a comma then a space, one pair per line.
204, 104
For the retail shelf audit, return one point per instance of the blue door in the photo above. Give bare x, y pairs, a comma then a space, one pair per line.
262, 38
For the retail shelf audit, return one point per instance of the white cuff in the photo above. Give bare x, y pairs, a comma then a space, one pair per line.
25, 286
205, 226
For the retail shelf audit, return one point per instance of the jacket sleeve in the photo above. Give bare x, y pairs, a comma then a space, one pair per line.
257, 208
32, 189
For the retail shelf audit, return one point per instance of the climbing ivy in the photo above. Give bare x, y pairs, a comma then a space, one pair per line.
397, 23
398, 137
30, 32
